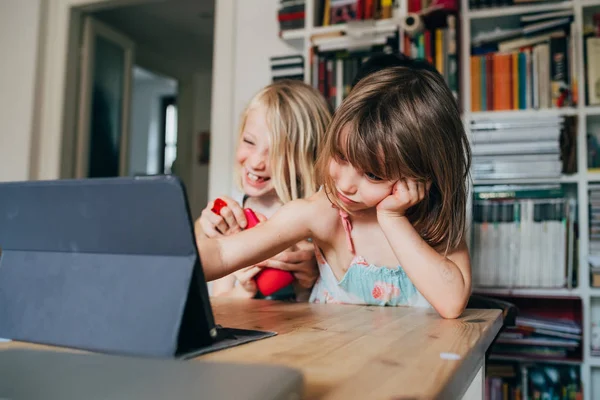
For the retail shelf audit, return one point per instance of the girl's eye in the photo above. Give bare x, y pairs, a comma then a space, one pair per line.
250, 142
372, 177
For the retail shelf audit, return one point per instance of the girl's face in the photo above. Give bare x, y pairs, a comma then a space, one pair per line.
253, 155
358, 190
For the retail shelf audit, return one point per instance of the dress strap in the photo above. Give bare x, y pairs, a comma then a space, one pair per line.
348, 228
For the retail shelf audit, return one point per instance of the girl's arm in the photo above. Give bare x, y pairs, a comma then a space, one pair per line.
224, 255
444, 281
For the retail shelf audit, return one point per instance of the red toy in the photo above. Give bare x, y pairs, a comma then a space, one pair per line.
269, 280
217, 206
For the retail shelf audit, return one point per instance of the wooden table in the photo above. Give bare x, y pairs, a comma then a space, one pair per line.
356, 352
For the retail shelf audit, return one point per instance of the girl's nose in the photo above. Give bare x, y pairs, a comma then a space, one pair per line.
347, 180
258, 161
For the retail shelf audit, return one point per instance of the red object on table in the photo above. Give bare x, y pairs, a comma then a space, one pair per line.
269, 280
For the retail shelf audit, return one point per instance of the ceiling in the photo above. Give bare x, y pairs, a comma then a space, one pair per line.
181, 30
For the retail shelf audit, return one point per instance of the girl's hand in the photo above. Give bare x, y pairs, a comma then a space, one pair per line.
405, 194
300, 261
231, 220
246, 287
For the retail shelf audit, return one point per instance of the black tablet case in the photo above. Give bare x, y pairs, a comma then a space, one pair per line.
107, 265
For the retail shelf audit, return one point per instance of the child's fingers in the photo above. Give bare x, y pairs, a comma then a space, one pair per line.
237, 211
229, 218
401, 187
413, 189
304, 280
218, 222
247, 274
294, 256
209, 222
232, 214
289, 260
270, 263
260, 216
209, 229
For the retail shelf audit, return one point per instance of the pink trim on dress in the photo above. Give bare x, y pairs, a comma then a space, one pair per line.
348, 228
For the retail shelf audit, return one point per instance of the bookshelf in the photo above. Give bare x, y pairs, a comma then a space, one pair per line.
471, 22
587, 115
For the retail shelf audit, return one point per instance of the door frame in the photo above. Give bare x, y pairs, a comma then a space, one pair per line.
59, 83
93, 28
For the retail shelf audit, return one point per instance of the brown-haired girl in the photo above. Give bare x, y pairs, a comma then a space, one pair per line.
389, 221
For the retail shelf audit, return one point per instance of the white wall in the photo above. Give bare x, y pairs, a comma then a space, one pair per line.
252, 69
202, 122
241, 69
19, 39
146, 119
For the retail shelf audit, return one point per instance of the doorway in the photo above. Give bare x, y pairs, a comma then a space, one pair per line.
153, 145
158, 106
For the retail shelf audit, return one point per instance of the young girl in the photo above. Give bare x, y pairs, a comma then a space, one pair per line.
281, 129
388, 225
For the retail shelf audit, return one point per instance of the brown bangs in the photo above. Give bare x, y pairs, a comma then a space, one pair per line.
367, 151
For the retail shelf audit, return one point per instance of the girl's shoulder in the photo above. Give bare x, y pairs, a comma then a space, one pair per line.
314, 215
324, 216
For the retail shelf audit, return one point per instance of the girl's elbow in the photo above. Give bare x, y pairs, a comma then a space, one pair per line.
451, 309
451, 313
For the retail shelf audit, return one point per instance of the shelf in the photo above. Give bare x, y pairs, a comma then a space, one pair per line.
593, 176
377, 26
595, 292
517, 10
592, 110
519, 181
590, 3
293, 34
531, 292
549, 112
533, 360
594, 361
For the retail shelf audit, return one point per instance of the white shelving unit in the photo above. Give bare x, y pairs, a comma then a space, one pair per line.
300, 39
590, 368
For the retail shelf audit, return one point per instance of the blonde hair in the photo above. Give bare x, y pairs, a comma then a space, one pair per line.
404, 122
297, 116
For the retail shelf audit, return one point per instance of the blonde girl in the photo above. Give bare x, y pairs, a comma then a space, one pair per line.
280, 131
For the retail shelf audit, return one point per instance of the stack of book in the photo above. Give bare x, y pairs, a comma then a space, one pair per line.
331, 12
594, 244
290, 14
531, 66
287, 67
591, 51
437, 43
334, 71
507, 381
475, 4
517, 148
523, 236
540, 338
